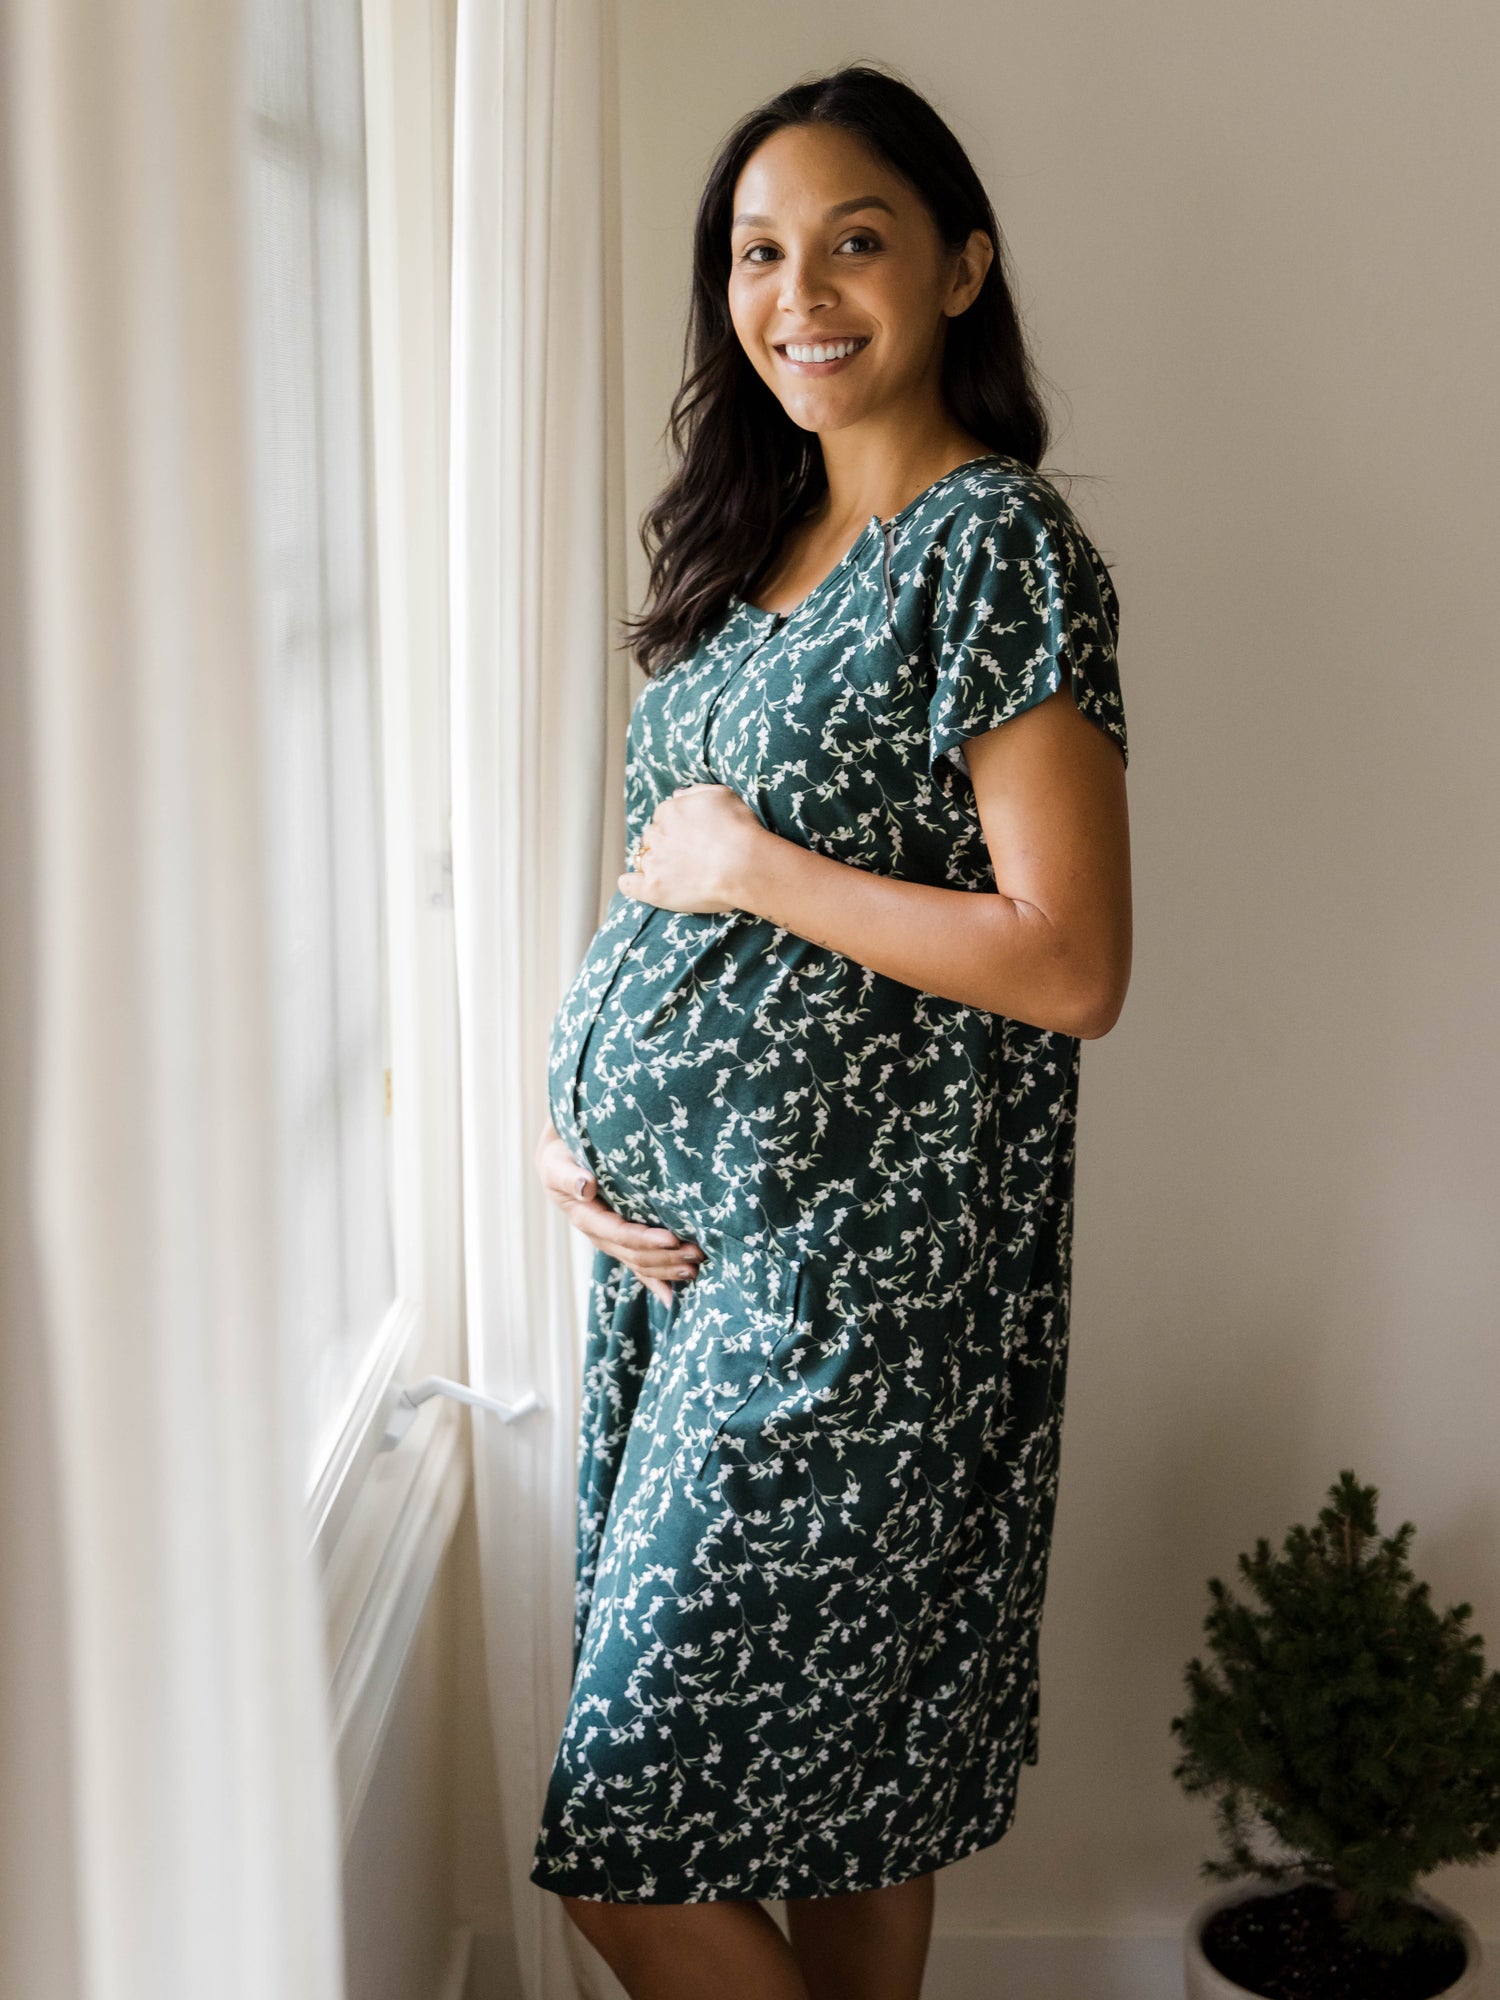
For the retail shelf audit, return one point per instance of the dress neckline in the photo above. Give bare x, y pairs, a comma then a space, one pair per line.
873, 526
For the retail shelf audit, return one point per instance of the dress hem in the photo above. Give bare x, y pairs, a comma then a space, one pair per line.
558, 1882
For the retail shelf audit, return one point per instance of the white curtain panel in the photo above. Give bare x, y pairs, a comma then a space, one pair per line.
188, 1718
536, 561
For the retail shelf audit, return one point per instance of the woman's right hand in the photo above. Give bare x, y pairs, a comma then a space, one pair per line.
656, 1255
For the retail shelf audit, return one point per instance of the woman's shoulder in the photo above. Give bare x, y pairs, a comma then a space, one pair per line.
994, 497
992, 524
1004, 594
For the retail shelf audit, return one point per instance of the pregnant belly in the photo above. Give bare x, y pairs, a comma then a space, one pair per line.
717, 1072
641, 1049
670, 1058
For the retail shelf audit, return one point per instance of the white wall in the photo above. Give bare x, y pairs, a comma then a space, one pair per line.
1256, 249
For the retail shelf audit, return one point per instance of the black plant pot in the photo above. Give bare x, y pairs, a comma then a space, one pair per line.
1206, 1982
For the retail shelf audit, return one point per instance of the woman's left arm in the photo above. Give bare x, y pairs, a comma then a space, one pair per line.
1051, 946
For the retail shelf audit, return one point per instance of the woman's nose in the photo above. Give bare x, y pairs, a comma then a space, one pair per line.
804, 284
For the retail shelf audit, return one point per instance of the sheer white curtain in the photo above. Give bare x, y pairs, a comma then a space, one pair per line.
175, 1833
536, 681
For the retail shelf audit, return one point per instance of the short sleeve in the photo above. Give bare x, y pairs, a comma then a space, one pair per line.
1021, 597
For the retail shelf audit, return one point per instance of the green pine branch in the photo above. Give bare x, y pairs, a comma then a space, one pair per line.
1345, 1716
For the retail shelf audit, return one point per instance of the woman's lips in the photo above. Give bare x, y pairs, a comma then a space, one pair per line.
821, 367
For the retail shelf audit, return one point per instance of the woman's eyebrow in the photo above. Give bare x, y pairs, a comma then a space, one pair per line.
829, 214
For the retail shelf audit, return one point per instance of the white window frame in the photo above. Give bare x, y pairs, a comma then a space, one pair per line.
382, 1509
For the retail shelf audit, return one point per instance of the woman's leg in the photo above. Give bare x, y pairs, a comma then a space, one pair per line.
691, 1951
868, 1946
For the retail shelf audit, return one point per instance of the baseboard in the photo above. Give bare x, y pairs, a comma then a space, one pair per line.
979, 1965
973, 1965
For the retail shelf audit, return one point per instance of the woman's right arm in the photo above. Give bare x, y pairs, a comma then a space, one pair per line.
656, 1255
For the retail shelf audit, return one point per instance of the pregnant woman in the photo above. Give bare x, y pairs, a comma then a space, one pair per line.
813, 1089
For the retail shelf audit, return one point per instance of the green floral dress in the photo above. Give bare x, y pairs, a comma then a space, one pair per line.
816, 1494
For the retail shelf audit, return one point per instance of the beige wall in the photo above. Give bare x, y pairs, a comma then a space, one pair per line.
1256, 250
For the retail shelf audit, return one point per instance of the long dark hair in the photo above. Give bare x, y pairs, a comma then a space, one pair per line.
744, 469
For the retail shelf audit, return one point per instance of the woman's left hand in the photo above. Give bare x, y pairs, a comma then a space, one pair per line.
692, 853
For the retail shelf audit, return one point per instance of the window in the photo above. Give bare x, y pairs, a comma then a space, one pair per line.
348, 140
309, 336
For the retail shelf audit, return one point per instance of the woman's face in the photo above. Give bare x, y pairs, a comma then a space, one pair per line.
829, 247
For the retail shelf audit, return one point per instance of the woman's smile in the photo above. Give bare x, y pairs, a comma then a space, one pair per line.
821, 357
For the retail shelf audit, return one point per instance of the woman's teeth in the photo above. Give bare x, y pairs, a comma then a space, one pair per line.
834, 350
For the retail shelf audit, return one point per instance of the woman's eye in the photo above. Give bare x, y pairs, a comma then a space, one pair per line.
861, 238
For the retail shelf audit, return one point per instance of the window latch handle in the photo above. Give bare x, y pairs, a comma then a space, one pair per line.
409, 1401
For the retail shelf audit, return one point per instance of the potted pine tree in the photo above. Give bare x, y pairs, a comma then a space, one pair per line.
1361, 1729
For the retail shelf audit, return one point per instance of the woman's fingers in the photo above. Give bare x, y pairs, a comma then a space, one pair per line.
657, 1255
646, 1247
565, 1178
554, 1163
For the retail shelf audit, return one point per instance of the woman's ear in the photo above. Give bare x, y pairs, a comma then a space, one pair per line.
969, 274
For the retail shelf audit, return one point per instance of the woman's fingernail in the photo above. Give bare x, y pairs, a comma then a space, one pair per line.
685, 1271
583, 1183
